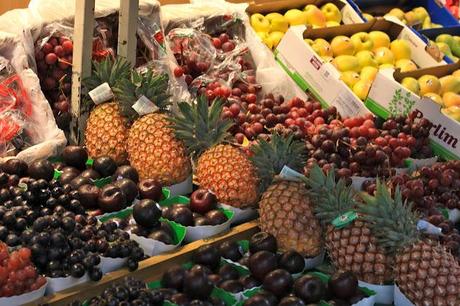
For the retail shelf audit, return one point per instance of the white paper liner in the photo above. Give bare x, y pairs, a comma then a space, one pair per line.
56, 284
239, 296
183, 188
369, 301
384, 293
419, 163
109, 264
23, 298
311, 263
400, 299
194, 233
240, 215
454, 215
357, 182
152, 247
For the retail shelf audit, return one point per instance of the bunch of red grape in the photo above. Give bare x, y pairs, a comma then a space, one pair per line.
54, 65
17, 273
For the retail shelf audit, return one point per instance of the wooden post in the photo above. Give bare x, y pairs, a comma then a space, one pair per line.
127, 30
83, 42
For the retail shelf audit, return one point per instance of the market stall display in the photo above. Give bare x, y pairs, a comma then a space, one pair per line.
265, 153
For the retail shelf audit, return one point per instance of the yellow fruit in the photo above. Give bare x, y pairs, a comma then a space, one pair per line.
405, 65
368, 73
400, 49
398, 13
309, 41
427, 23
265, 39
450, 83
342, 45
315, 16
421, 13
411, 84
332, 12
411, 18
322, 47
275, 37
296, 17
386, 66
350, 78
330, 24
380, 39
273, 15
155, 152
429, 83
362, 41
368, 17
383, 55
366, 58
106, 133
435, 97
456, 73
451, 99
361, 89
260, 23
278, 24
346, 63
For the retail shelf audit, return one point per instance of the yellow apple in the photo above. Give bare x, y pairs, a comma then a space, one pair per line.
383, 55
451, 99
342, 45
429, 83
260, 23
400, 49
278, 24
361, 89
273, 15
309, 41
456, 73
275, 37
427, 23
327, 59
296, 17
411, 18
411, 84
380, 39
332, 12
362, 41
386, 66
450, 83
350, 78
368, 73
315, 16
322, 47
368, 17
453, 112
405, 65
420, 13
265, 39
398, 13
366, 58
346, 63
435, 97
331, 24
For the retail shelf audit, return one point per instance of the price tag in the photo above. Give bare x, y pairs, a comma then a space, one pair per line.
291, 175
345, 219
144, 106
101, 94
428, 228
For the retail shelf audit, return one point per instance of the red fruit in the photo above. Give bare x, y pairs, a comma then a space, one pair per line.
294, 115
394, 143
368, 123
318, 120
24, 253
251, 98
309, 107
226, 92
210, 94
251, 79
58, 74
62, 106
289, 122
224, 37
235, 109
49, 83
53, 41
253, 109
188, 79
251, 89
316, 105
373, 133
47, 48
216, 42
302, 112
228, 46
30, 272
227, 114
39, 55
239, 137
67, 46
63, 65
218, 92
236, 92
59, 51
51, 58
178, 72
380, 141
249, 132
363, 131
258, 127
202, 201
300, 122
202, 66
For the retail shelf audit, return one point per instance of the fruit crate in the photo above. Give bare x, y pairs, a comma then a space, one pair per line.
149, 270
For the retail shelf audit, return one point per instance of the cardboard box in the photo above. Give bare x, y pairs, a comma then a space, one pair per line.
312, 73
388, 97
438, 12
350, 12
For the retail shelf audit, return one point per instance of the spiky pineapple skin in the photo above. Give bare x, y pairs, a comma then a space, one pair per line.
155, 152
286, 212
354, 248
227, 171
428, 275
106, 133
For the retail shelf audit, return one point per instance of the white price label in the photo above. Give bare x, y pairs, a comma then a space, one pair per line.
290, 174
101, 94
144, 106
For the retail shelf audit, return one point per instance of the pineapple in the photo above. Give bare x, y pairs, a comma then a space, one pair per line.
151, 146
425, 272
353, 247
221, 168
285, 208
106, 129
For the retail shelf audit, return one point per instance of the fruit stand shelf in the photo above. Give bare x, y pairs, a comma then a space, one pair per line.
150, 269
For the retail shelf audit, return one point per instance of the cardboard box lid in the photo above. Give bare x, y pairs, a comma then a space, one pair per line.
268, 6
438, 71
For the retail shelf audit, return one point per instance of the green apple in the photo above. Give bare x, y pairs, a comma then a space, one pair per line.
332, 12
445, 38
362, 41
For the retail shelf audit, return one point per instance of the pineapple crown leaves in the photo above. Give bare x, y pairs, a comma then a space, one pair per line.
154, 86
109, 70
332, 198
200, 126
391, 220
269, 158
